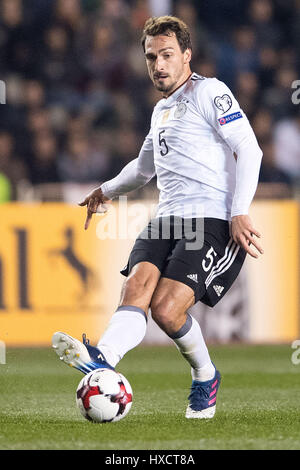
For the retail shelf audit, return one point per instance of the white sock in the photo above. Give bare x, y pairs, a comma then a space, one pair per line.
191, 344
126, 329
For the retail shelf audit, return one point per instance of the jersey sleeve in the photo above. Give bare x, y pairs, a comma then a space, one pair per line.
222, 111
145, 160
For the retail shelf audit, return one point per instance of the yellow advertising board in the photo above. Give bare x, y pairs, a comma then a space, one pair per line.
274, 279
53, 274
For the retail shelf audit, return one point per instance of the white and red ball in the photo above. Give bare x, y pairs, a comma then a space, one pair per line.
104, 395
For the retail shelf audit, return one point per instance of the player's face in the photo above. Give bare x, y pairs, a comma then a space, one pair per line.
167, 65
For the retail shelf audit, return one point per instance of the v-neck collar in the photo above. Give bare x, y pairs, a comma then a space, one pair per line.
177, 91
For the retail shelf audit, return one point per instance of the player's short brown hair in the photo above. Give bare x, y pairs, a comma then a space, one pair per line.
164, 25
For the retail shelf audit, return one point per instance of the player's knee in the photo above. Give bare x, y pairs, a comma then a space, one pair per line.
137, 289
164, 314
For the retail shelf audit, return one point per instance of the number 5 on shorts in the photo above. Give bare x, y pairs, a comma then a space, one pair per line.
207, 263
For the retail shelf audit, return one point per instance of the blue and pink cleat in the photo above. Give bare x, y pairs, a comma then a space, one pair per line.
203, 398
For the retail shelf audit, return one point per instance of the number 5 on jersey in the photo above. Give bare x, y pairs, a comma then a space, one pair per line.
164, 149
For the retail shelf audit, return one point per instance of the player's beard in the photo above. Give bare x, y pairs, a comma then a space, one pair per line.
164, 87
167, 88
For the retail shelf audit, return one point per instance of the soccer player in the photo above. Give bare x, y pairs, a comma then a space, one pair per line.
206, 158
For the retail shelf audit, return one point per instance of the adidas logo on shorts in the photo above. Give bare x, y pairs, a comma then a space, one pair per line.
193, 277
218, 290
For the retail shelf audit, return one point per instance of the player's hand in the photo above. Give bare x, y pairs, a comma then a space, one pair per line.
245, 235
94, 201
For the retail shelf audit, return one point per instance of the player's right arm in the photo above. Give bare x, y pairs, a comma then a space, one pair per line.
135, 174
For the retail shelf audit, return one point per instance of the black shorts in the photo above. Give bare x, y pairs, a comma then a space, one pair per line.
197, 252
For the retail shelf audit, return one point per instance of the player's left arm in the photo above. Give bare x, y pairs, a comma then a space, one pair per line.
223, 112
247, 172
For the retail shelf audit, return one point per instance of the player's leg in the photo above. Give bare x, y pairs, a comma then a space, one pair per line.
208, 271
128, 324
126, 328
169, 304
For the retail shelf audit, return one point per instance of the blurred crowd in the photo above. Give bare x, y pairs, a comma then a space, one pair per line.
79, 100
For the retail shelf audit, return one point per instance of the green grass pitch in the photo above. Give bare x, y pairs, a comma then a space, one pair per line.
258, 404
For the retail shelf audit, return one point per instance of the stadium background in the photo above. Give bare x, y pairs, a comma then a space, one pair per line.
78, 105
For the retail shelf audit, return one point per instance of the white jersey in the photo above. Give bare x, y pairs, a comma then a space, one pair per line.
190, 147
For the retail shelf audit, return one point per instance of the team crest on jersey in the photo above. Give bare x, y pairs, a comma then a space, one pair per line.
180, 110
223, 103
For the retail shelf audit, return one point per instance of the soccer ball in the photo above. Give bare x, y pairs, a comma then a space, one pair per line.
104, 396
